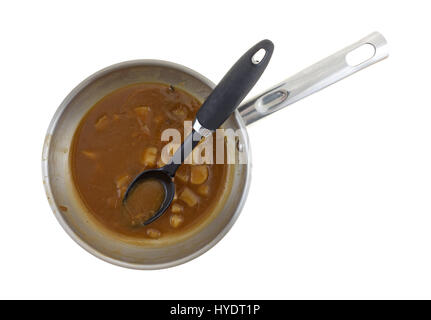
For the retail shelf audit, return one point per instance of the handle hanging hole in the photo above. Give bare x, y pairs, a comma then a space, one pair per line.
258, 56
360, 55
271, 100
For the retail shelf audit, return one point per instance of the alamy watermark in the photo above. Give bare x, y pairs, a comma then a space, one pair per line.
225, 146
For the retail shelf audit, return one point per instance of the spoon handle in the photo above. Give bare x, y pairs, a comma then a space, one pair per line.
181, 154
234, 86
224, 99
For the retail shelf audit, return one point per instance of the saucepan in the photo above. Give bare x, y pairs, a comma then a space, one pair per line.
72, 213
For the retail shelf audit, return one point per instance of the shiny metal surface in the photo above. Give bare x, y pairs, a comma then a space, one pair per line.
312, 79
199, 128
72, 213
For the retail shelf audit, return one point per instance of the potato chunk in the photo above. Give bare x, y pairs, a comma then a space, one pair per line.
189, 197
204, 190
182, 173
153, 233
177, 208
149, 156
121, 183
102, 122
199, 174
176, 220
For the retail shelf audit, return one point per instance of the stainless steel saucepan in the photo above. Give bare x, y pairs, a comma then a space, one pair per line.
72, 213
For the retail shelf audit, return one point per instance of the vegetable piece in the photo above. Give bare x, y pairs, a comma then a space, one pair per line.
204, 190
121, 183
176, 220
153, 233
189, 197
177, 208
102, 122
182, 173
199, 174
149, 156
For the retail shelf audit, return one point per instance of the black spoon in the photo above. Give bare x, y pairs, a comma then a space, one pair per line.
219, 105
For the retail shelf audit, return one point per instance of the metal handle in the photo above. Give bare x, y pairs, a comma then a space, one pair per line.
312, 79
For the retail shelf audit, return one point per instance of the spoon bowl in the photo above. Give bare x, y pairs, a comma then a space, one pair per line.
165, 179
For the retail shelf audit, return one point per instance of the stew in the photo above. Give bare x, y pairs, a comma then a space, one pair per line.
119, 137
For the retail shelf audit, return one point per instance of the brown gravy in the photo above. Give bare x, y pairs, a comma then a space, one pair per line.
119, 137
144, 200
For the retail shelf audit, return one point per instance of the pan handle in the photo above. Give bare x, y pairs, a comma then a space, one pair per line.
314, 78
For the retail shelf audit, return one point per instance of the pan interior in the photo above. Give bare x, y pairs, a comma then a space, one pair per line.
72, 213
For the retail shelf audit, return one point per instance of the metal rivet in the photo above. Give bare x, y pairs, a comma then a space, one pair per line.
239, 145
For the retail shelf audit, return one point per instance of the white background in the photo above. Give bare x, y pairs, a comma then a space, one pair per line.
339, 205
